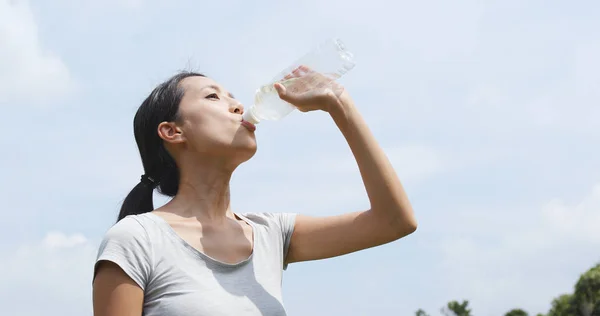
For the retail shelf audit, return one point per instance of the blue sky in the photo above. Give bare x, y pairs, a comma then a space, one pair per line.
488, 110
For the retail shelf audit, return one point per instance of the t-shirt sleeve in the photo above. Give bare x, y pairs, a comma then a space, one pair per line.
287, 222
127, 245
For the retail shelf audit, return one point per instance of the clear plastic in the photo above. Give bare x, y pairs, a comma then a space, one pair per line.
330, 59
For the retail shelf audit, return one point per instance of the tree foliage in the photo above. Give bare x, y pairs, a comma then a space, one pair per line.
455, 308
516, 312
421, 312
587, 292
562, 306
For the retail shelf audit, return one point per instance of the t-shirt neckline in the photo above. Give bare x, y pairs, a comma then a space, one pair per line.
171, 232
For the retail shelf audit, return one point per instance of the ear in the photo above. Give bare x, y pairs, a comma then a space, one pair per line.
170, 133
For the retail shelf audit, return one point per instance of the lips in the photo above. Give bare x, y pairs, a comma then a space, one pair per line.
251, 127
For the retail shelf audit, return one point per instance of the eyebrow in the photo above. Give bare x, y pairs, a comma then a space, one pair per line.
215, 87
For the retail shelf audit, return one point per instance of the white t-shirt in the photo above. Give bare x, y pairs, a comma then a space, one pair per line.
179, 280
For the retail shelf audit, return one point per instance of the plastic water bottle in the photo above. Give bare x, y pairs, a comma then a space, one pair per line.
330, 59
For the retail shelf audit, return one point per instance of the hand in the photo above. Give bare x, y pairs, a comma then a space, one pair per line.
308, 91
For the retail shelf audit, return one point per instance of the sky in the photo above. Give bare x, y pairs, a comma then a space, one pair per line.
488, 110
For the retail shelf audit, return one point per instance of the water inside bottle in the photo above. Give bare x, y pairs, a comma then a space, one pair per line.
270, 107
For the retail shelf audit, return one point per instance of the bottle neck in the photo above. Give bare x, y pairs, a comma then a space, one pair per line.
249, 116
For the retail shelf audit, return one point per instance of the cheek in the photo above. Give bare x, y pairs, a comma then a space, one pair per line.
208, 132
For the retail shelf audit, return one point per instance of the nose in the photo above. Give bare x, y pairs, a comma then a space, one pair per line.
236, 107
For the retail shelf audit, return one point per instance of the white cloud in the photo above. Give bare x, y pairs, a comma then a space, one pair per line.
50, 277
58, 240
502, 259
577, 223
28, 71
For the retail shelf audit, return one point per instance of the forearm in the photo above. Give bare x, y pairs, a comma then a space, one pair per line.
386, 194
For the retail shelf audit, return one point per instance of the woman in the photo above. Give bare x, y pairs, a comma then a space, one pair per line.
195, 255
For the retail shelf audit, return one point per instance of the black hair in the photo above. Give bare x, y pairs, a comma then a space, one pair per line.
160, 170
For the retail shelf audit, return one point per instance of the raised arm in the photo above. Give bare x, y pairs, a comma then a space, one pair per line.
390, 216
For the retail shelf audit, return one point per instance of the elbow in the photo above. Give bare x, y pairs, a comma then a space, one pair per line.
407, 227
404, 226
402, 218
400, 223
412, 226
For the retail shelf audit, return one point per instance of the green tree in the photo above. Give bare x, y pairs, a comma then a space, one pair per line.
587, 292
516, 312
596, 310
562, 306
455, 308
421, 312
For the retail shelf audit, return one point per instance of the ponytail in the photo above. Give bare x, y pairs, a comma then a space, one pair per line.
139, 200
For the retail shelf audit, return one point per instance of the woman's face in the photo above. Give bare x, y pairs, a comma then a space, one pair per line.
211, 121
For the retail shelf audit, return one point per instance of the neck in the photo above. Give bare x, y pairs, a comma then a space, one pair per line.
203, 190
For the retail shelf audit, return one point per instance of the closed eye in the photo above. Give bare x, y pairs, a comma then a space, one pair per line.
213, 96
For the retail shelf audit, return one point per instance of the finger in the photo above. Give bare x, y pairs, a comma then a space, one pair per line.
306, 69
296, 72
291, 74
301, 71
287, 95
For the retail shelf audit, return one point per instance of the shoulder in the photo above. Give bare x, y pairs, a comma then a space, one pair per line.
280, 226
128, 235
277, 223
128, 228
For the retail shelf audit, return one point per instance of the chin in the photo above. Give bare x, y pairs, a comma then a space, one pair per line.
246, 149
249, 151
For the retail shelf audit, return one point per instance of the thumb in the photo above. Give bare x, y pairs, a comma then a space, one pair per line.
282, 91
292, 98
